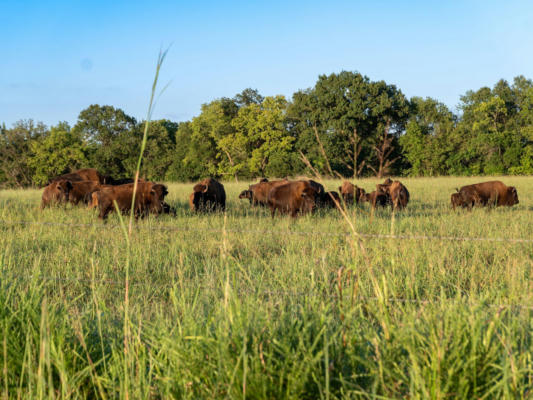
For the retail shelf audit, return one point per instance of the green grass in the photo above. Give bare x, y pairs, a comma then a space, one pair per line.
250, 307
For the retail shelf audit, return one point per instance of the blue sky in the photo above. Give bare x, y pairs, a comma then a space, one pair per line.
58, 57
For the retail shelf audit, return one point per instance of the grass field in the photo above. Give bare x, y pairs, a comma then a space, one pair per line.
243, 306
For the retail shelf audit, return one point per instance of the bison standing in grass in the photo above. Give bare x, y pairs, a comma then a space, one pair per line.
375, 198
350, 193
149, 198
298, 197
493, 193
261, 190
331, 200
396, 193
56, 192
81, 191
208, 195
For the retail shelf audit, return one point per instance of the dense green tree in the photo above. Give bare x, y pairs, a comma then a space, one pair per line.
180, 170
159, 152
111, 138
260, 145
248, 96
351, 115
492, 135
55, 153
425, 144
15, 152
345, 124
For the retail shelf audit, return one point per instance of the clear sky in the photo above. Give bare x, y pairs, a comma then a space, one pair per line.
58, 57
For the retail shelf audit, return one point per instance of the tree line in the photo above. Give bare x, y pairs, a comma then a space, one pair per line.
345, 125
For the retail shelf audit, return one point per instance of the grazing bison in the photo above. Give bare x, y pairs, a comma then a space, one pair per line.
466, 198
385, 186
292, 198
456, 200
56, 192
493, 193
208, 195
87, 174
149, 198
261, 190
375, 198
350, 193
331, 200
399, 195
168, 209
246, 194
320, 191
81, 191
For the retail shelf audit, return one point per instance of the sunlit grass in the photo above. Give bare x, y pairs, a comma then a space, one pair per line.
263, 308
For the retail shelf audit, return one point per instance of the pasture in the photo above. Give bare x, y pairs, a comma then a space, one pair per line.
243, 306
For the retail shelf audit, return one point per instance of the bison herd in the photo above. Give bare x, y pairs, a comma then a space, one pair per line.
88, 186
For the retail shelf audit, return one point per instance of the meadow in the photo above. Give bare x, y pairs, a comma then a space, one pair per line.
243, 306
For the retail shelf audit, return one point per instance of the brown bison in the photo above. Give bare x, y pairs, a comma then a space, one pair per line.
168, 209
149, 198
399, 195
493, 193
385, 186
81, 191
87, 174
350, 193
375, 198
466, 198
208, 195
246, 194
298, 197
331, 200
56, 192
456, 200
261, 190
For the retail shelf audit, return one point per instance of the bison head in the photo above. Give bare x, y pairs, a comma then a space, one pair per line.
157, 198
61, 190
456, 200
512, 196
245, 194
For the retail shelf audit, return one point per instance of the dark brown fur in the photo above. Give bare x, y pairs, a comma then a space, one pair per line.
466, 198
147, 199
375, 198
56, 192
87, 174
399, 195
292, 198
208, 195
81, 192
493, 193
261, 190
246, 194
331, 200
350, 193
